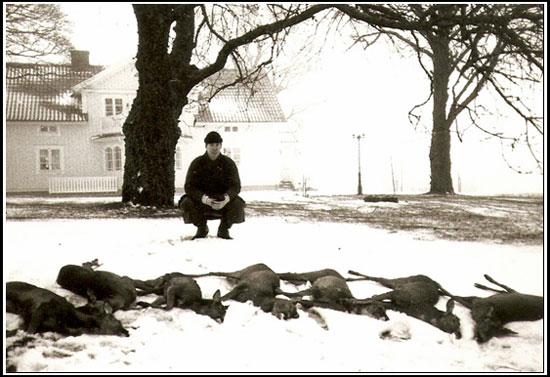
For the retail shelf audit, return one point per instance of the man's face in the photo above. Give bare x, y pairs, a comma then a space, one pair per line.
213, 149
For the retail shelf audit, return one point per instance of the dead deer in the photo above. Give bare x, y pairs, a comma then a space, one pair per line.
184, 292
304, 277
415, 296
490, 314
99, 287
260, 284
43, 311
330, 290
155, 286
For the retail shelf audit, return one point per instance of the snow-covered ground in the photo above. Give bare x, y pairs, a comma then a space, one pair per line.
250, 340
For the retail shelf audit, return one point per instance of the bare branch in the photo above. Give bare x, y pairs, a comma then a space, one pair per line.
36, 33
251, 35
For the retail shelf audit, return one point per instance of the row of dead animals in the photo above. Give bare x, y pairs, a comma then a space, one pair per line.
416, 296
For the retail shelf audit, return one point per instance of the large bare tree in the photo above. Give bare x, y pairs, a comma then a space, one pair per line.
465, 50
179, 47
36, 32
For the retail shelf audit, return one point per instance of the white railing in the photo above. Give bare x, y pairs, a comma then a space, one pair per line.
82, 184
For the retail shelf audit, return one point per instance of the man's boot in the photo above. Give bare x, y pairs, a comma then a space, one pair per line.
223, 231
202, 231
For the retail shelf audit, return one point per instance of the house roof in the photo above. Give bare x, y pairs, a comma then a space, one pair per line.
50, 93
43, 92
244, 102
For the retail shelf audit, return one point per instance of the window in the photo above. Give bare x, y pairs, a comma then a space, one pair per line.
48, 130
118, 158
113, 106
231, 129
113, 159
178, 159
108, 159
49, 160
234, 154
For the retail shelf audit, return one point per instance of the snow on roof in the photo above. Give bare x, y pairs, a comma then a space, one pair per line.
243, 102
47, 93
36, 92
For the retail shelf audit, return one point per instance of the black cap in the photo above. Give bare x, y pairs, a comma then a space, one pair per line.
212, 138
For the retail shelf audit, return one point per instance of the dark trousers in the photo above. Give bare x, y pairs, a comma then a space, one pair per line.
198, 213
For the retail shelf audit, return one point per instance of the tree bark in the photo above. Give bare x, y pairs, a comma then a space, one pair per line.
151, 129
440, 149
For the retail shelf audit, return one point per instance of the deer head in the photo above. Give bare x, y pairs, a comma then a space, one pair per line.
490, 326
99, 320
375, 310
280, 308
445, 321
212, 308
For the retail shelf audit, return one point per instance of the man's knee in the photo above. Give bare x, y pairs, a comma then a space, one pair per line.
185, 203
237, 204
235, 211
194, 213
189, 210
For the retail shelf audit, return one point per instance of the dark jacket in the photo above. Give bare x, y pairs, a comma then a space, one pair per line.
213, 178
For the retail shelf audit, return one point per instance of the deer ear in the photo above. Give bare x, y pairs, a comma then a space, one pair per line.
217, 296
505, 331
450, 306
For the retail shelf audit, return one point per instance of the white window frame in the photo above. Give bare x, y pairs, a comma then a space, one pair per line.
49, 149
231, 128
108, 159
113, 100
49, 132
115, 159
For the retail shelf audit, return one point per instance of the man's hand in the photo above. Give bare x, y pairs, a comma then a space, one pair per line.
207, 200
217, 205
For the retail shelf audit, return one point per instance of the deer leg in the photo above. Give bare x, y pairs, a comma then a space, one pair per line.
36, 319
443, 291
484, 287
373, 299
92, 264
292, 278
144, 285
383, 281
176, 296
235, 292
305, 292
364, 277
159, 301
202, 275
116, 302
508, 289
321, 304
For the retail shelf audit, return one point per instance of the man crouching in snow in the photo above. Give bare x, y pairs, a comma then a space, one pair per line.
212, 185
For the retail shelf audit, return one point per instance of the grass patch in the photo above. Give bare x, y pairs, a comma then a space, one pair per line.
505, 219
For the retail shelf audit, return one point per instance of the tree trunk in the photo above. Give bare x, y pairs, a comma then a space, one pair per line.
151, 130
440, 149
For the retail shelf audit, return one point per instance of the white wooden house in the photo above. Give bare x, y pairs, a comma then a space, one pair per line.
63, 126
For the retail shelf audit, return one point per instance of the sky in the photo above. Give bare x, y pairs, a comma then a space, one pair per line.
250, 340
346, 93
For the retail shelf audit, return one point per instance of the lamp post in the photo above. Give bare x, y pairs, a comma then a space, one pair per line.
359, 187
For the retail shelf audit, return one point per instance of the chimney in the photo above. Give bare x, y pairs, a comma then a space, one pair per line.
80, 60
